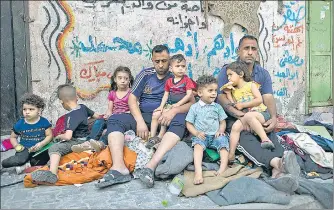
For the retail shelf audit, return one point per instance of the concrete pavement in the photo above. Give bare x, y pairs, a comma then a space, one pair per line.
126, 196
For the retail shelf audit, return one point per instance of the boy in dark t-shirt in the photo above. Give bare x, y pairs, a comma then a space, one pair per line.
76, 131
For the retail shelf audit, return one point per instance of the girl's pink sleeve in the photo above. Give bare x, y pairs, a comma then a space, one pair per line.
111, 96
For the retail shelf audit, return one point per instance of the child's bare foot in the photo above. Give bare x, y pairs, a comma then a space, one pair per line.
198, 179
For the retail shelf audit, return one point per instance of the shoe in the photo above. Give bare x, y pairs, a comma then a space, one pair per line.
290, 164
97, 145
153, 141
81, 147
19, 159
20, 169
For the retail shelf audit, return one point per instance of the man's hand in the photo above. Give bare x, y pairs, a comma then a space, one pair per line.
158, 109
142, 130
270, 125
239, 106
200, 135
166, 117
220, 133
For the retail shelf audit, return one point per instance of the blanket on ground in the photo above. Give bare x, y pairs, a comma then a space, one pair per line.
323, 192
248, 190
78, 168
212, 182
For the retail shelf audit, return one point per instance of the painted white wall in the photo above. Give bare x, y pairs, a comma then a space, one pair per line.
65, 29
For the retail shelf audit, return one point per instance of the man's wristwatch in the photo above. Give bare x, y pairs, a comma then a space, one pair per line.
19, 148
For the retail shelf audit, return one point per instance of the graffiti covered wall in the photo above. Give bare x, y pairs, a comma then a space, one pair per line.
84, 41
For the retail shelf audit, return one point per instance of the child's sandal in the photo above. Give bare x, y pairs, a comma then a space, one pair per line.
267, 144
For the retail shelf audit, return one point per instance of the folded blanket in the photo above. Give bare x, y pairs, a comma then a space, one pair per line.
212, 182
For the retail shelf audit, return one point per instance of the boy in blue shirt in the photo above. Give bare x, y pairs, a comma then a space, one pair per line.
34, 132
206, 122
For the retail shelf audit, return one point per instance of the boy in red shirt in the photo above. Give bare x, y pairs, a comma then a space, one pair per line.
178, 91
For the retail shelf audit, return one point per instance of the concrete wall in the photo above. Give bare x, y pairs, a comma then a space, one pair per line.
84, 41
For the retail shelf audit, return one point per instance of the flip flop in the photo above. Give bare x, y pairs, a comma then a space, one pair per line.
267, 144
111, 178
44, 177
146, 175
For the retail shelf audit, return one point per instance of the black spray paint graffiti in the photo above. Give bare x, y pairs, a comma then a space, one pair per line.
43, 32
264, 40
48, 46
50, 38
185, 21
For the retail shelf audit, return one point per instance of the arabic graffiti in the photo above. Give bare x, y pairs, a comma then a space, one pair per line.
187, 23
281, 92
287, 74
291, 16
91, 72
218, 45
189, 49
289, 59
184, 20
294, 29
289, 37
119, 44
286, 40
150, 5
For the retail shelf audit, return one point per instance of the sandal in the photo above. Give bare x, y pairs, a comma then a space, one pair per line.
146, 175
267, 144
153, 141
111, 178
97, 145
44, 177
81, 147
289, 164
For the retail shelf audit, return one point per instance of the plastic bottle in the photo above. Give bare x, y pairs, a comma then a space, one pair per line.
176, 186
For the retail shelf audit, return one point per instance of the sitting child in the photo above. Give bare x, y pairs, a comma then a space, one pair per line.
121, 83
178, 91
76, 130
206, 122
246, 95
34, 132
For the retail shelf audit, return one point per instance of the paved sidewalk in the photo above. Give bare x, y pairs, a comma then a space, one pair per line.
125, 196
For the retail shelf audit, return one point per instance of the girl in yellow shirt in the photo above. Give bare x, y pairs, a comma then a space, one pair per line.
245, 94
